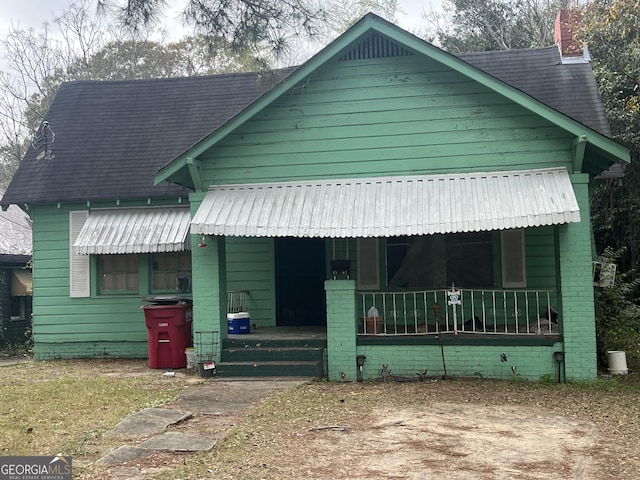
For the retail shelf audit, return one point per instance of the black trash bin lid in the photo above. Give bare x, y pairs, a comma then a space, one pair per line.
166, 300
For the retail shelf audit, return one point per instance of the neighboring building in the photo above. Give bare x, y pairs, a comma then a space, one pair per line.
422, 175
15, 275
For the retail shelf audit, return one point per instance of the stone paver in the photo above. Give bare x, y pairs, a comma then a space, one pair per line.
149, 421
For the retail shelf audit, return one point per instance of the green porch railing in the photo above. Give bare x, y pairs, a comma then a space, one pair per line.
428, 312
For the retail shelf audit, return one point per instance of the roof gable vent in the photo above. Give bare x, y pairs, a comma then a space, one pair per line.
376, 46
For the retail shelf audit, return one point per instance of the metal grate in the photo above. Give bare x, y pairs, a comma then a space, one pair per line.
237, 301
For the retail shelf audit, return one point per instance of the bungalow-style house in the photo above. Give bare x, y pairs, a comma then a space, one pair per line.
15, 275
422, 210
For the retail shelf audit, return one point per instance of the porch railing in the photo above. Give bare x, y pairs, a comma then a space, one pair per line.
511, 312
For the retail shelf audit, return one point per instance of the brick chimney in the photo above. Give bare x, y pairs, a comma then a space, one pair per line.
567, 26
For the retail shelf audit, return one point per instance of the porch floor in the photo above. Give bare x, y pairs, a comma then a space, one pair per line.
284, 333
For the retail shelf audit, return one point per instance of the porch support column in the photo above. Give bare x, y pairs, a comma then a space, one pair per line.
209, 287
576, 289
341, 329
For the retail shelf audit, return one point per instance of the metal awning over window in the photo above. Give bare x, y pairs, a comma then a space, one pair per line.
134, 230
390, 206
21, 283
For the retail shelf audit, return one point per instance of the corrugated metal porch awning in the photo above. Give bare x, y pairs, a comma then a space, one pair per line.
390, 206
134, 230
21, 283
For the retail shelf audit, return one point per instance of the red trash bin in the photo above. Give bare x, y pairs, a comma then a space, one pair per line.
168, 334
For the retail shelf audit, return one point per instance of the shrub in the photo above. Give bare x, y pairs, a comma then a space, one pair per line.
618, 315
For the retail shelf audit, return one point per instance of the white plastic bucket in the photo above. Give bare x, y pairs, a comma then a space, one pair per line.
191, 357
617, 363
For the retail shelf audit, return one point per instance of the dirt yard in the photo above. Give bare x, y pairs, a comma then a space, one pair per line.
460, 429
454, 429
459, 441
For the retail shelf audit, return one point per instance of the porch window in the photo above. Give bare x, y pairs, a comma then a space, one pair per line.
368, 264
435, 261
172, 271
119, 273
513, 259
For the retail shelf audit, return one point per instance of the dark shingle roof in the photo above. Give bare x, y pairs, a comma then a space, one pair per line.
111, 137
569, 88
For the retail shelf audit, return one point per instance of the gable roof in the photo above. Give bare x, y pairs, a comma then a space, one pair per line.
370, 24
569, 88
111, 137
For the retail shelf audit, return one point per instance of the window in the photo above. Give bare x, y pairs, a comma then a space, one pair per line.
19, 307
513, 260
368, 264
172, 271
469, 259
119, 273
437, 261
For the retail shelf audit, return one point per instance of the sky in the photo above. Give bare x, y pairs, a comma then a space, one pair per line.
33, 13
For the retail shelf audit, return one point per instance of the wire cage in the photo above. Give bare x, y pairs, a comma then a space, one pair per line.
237, 301
206, 343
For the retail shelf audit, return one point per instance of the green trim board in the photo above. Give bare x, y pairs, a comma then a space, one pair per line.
461, 339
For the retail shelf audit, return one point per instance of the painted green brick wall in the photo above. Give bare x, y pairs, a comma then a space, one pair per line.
577, 289
531, 362
209, 288
341, 329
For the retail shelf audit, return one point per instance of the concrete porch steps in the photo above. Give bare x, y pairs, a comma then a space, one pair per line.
256, 356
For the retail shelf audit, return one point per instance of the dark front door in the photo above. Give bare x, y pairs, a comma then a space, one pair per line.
300, 275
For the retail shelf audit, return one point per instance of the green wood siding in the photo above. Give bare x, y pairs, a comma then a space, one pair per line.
250, 267
96, 326
541, 259
387, 116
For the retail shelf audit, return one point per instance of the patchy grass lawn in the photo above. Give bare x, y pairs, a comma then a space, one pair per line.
65, 406
334, 430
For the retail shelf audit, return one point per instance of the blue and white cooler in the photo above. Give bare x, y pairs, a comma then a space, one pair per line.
238, 322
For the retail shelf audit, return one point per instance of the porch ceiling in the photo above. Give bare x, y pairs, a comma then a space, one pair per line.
390, 206
134, 230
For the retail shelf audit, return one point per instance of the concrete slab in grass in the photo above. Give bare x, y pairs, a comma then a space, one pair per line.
179, 442
149, 421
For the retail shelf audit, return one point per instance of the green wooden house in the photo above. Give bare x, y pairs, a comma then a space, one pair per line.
405, 207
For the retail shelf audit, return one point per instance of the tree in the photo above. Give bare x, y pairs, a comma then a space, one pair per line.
242, 23
610, 29
82, 48
481, 25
